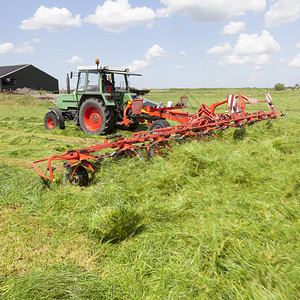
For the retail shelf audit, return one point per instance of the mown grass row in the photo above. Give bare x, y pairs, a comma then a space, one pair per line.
213, 219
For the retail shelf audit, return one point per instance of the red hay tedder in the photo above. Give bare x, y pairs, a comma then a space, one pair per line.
197, 126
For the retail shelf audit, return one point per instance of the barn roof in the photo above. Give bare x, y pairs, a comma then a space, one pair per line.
6, 70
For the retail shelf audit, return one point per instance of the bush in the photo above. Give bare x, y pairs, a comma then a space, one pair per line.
279, 87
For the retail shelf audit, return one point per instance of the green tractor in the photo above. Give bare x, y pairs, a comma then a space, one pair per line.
99, 101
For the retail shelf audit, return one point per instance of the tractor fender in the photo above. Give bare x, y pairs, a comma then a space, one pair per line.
100, 97
61, 121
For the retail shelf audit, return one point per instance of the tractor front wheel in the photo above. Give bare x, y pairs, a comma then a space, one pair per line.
50, 120
80, 176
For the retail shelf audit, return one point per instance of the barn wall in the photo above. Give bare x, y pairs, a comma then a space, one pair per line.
31, 77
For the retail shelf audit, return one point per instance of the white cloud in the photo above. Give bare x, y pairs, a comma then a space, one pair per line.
162, 13
295, 62
25, 48
117, 16
258, 61
282, 11
233, 28
261, 60
252, 50
152, 54
178, 67
75, 59
52, 19
255, 44
233, 59
297, 45
219, 49
182, 53
137, 65
206, 11
6, 48
10, 48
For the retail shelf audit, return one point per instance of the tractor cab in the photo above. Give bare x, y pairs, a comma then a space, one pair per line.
109, 82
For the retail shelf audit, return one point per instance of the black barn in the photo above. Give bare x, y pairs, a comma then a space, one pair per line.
20, 76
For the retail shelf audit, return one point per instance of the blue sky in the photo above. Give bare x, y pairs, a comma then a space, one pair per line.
173, 43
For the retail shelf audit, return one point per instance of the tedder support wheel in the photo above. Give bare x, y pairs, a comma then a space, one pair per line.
50, 120
95, 118
80, 176
158, 124
133, 126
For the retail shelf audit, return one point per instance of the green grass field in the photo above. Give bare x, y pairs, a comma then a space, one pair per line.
208, 220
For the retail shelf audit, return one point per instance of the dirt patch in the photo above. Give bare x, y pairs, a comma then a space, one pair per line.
25, 91
46, 97
40, 96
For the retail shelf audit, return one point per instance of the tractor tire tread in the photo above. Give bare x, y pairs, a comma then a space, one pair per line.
107, 116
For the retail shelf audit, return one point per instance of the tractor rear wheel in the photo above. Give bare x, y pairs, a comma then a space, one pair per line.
95, 117
80, 176
158, 124
50, 120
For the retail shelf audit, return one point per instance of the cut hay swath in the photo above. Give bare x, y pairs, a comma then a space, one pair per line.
198, 126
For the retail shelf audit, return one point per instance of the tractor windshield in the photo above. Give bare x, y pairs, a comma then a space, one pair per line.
93, 81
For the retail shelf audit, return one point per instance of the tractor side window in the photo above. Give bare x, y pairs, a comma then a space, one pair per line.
81, 82
119, 82
93, 81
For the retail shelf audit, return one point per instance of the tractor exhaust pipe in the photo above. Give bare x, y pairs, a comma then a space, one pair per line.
68, 84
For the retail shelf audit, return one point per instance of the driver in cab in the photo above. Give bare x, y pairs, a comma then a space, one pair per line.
107, 85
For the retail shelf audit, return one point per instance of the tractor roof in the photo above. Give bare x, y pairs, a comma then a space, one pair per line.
107, 69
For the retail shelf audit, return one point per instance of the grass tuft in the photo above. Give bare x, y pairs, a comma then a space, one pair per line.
57, 283
115, 223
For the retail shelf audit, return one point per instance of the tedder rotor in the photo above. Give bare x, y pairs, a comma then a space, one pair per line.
197, 126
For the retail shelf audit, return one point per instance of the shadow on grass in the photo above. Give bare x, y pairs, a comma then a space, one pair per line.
239, 134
